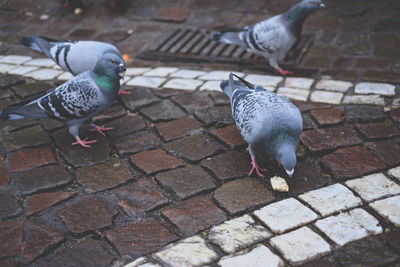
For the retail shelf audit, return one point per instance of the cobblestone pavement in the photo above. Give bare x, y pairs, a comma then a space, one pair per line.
169, 186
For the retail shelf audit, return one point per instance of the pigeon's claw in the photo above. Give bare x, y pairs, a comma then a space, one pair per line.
100, 129
256, 168
84, 142
122, 92
284, 72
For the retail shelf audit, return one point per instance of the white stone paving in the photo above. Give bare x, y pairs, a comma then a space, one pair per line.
160, 71
300, 245
237, 234
333, 85
373, 186
136, 71
395, 172
264, 80
326, 97
188, 74
294, 93
15, 59
183, 84
388, 208
303, 83
44, 74
142, 262
4, 68
211, 86
285, 215
364, 99
374, 88
349, 226
152, 82
259, 256
41, 62
219, 75
22, 70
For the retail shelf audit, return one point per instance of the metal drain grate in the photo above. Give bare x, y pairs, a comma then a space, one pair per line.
187, 45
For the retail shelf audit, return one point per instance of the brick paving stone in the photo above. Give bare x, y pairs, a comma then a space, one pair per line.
194, 147
220, 98
308, 123
163, 111
39, 202
31, 136
303, 83
231, 164
237, 234
192, 102
395, 172
230, 135
393, 238
352, 161
15, 59
219, 114
194, 214
294, 93
178, 128
4, 177
138, 98
41, 62
90, 213
332, 85
373, 186
211, 86
161, 71
137, 142
84, 252
307, 176
218, 75
44, 74
377, 130
183, 84
155, 160
22, 70
30, 89
306, 106
38, 240
327, 116
139, 197
326, 97
191, 251
172, 14
5, 68
366, 252
388, 151
146, 81
104, 175
374, 88
331, 199
8, 204
285, 215
9, 263
136, 71
264, 80
349, 226
187, 74
259, 256
130, 123
30, 158
329, 138
111, 113
136, 239
10, 80
395, 115
364, 113
364, 99
41, 178
324, 261
11, 238
300, 245
241, 194
389, 208
186, 181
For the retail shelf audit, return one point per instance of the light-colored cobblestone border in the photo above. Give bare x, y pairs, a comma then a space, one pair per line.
304, 89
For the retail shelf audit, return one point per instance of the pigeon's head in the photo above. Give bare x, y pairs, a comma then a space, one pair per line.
286, 155
313, 4
111, 65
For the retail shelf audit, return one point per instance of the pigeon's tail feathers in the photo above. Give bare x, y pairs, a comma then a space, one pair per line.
228, 37
228, 86
9, 117
28, 41
20, 112
38, 43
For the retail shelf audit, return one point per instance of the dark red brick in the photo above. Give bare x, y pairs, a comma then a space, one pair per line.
103, 176
42, 201
87, 214
137, 142
308, 123
230, 135
110, 113
155, 160
327, 116
324, 50
317, 62
343, 63
388, 151
138, 98
4, 177
194, 101
228, 165
241, 194
127, 124
363, 113
193, 148
393, 238
178, 128
374, 63
7, 80
377, 130
172, 14
11, 238
39, 238
164, 111
82, 33
381, 75
219, 114
352, 161
325, 261
219, 98
113, 36
144, 195
186, 181
340, 74
41, 178
31, 136
30, 158
194, 214
8, 204
136, 239
356, 50
329, 138
395, 114
306, 106
30, 89
307, 176
385, 39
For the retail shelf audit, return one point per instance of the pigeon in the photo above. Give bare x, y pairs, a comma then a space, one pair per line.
78, 99
73, 56
269, 123
274, 37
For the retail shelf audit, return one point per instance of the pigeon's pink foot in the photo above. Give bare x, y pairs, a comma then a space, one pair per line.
83, 142
122, 92
255, 167
284, 72
256, 59
100, 129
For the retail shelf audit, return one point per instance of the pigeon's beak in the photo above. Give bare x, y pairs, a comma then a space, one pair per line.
322, 6
290, 173
121, 71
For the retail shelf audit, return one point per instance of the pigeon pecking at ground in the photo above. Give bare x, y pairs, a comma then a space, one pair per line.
269, 123
73, 56
76, 100
274, 37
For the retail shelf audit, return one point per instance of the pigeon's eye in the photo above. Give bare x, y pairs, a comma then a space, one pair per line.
111, 61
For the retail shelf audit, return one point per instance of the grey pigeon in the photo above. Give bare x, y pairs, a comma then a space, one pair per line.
269, 123
76, 100
73, 56
274, 37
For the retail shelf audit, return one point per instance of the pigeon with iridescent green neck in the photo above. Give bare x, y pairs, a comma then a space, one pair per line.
77, 100
269, 123
274, 37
